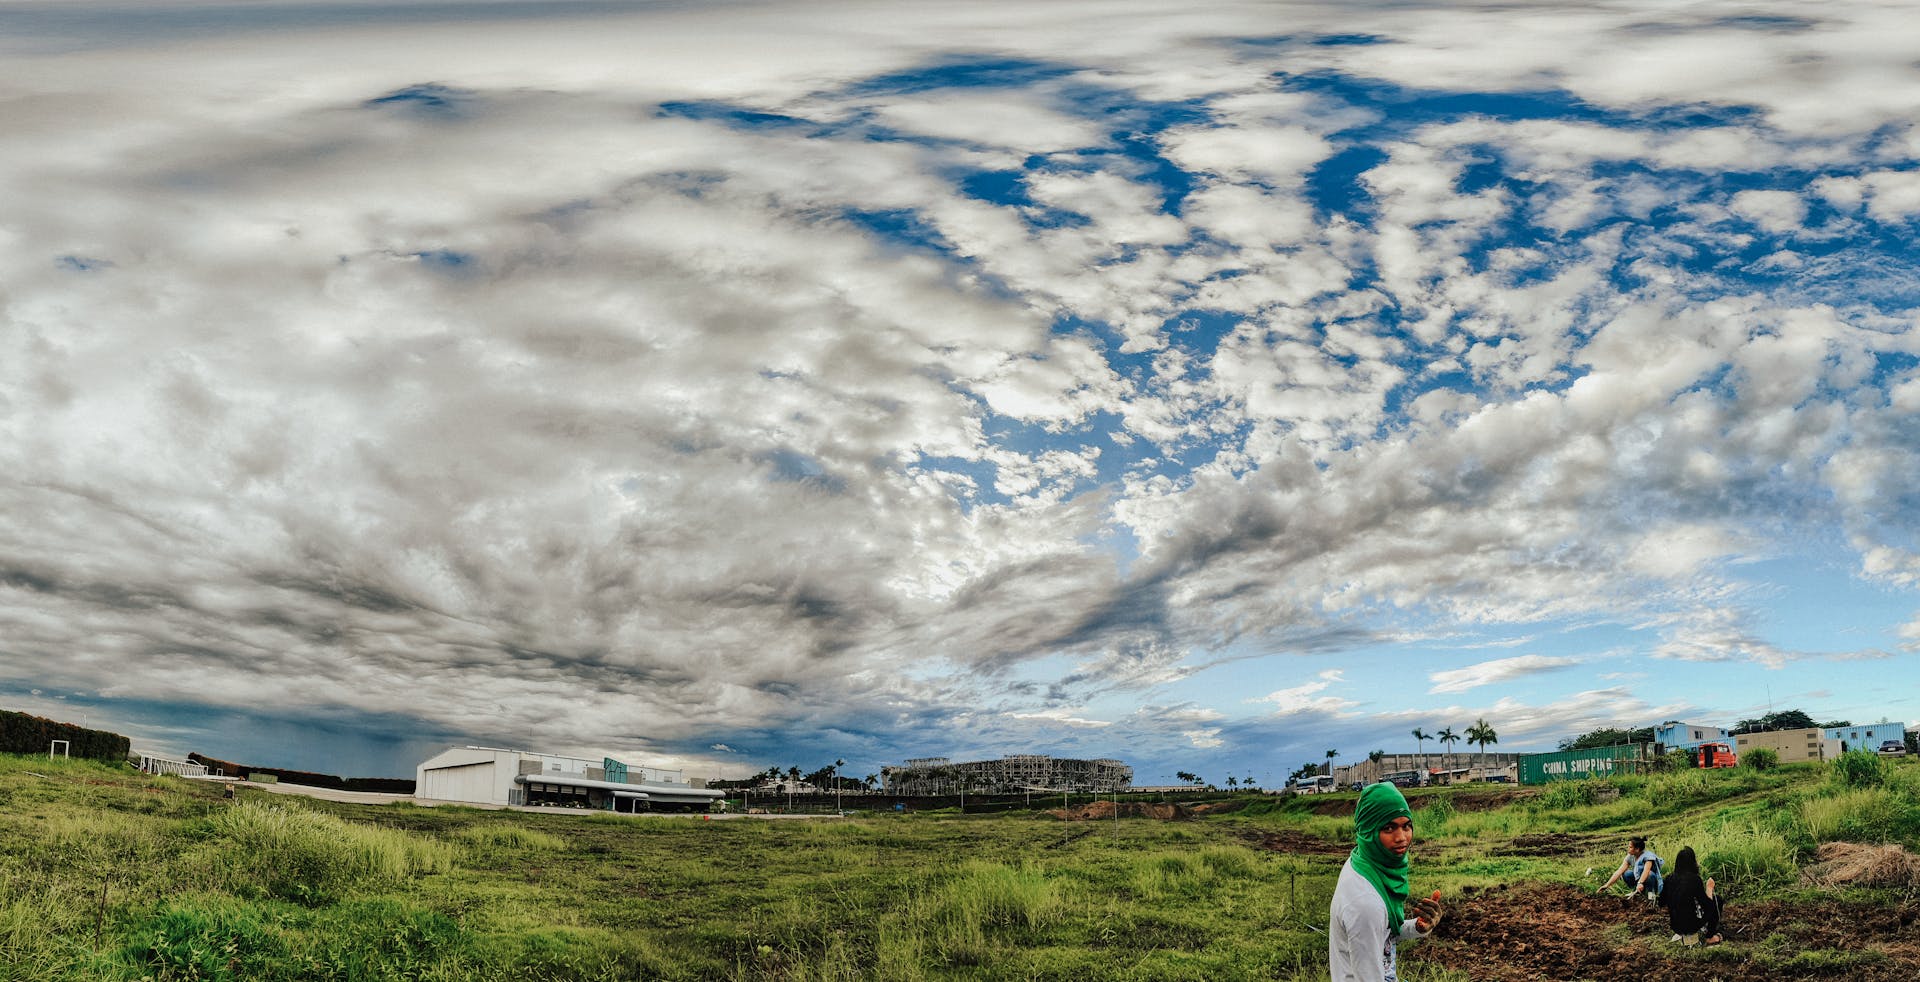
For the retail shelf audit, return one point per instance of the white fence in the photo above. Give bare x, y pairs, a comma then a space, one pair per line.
164, 765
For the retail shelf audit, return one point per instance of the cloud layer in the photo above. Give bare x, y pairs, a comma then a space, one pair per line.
674, 378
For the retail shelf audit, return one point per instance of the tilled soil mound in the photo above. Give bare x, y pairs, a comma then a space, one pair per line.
1105, 809
1297, 843
1556, 933
1548, 844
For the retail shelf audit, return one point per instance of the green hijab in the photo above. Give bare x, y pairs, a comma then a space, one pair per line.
1379, 804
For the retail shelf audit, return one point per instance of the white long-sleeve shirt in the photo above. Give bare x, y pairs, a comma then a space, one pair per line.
1359, 949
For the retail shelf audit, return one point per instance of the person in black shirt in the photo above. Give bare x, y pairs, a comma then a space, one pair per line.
1691, 906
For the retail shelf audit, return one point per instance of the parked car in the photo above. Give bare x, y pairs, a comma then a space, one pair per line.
1892, 748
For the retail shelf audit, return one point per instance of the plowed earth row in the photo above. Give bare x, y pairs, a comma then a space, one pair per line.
1556, 932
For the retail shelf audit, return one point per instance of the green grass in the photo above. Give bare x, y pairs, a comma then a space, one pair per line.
107, 874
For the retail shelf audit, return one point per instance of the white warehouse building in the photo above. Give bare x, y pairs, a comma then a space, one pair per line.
491, 776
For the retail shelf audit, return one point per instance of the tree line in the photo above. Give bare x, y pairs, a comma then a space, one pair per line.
21, 733
827, 778
1481, 732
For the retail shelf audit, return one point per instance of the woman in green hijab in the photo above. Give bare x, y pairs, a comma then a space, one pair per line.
1369, 914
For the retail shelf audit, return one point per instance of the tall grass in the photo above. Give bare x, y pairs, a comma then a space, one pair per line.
40, 923
1002, 896
1744, 857
1187, 873
1866, 814
500, 839
313, 858
893, 898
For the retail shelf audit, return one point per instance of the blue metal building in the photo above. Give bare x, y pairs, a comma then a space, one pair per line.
1866, 736
1675, 735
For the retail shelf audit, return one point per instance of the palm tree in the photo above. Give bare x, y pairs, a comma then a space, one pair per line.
1482, 733
1421, 737
1331, 754
1447, 739
1232, 782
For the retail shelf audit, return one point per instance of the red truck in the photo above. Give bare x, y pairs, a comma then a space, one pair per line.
1716, 755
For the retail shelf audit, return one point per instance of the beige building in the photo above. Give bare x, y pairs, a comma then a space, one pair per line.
1793, 746
1445, 768
1014, 772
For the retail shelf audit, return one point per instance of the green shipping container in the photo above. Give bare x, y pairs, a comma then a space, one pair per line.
1571, 765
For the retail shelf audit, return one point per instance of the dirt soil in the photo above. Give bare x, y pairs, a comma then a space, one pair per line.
1297, 843
1549, 844
1556, 933
1104, 810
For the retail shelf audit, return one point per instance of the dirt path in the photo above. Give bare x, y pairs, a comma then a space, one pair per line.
1556, 933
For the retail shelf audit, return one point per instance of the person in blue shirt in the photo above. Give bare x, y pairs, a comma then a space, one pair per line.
1641, 869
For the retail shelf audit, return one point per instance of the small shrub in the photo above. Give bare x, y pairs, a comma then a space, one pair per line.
1858, 769
1682, 788
1432, 820
1760, 760
1562, 795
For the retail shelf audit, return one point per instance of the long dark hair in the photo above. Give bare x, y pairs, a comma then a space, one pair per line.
1685, 863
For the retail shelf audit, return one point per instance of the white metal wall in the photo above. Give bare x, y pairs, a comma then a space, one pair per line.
467, 782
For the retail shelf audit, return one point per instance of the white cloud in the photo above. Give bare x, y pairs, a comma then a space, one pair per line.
1065, 717
1909, 634
1497, 671
1893, 196
679, 372
1306, 698
1274, 156
994, 118
1779, 212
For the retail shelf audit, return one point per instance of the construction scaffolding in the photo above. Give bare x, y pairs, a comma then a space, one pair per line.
1011, 773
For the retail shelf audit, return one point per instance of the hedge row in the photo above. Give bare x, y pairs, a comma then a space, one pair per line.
384, 785
24, 734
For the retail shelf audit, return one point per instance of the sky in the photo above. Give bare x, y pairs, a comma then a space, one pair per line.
736, 384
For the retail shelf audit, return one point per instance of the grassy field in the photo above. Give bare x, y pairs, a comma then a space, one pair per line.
109, 874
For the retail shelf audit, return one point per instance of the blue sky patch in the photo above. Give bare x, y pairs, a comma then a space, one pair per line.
429, 99
962, 74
